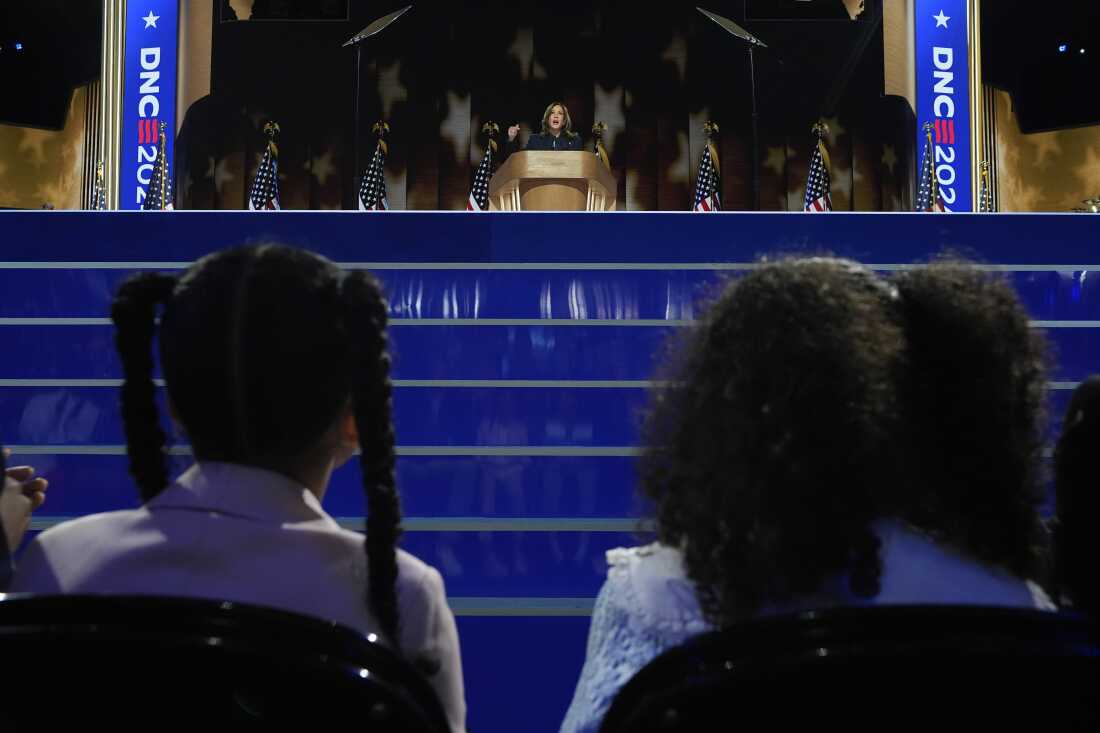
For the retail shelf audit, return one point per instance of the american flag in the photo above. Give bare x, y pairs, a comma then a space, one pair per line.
818, 196
264, 193
158, 196
99, 193
985, 195
479, 192
928, 189
372, 189
708, 182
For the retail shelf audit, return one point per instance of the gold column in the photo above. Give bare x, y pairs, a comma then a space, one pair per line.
898, 30
112, 67
196, 31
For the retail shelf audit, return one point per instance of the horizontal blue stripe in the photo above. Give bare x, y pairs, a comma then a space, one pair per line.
427, 421
497, 352
561, 294
620, 525
466, 417
442, 487
531, 237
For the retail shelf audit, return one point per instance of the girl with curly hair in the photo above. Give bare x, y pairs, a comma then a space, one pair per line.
777, 460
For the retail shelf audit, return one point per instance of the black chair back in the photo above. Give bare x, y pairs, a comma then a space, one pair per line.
156, 661
879, 668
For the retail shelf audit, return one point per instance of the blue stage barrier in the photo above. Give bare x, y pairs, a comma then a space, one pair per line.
524, 345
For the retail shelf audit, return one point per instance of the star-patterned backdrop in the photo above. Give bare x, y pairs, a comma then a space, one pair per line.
442, 70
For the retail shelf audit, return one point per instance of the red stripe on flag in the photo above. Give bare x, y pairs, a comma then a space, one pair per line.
141, 132
153, 129
951, 131
939, 131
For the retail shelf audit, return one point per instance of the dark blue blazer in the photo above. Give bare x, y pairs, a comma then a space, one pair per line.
539, 141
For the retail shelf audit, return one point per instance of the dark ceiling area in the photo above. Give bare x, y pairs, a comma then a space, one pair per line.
47, 48
1047, 56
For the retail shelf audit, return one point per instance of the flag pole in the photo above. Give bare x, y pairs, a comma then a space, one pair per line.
755, 135
357, 40
732, 28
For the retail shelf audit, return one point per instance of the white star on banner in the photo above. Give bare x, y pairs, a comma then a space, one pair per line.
151, 20
941, 20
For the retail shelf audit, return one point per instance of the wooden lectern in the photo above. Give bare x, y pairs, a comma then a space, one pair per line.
548, 180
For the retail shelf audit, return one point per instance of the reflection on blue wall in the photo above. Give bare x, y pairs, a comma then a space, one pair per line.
524, 345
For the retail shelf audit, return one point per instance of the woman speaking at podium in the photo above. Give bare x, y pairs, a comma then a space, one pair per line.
557, 132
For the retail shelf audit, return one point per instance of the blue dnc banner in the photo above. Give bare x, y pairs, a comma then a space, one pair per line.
943, 95
149, 96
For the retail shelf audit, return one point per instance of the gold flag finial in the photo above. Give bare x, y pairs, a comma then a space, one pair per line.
710, 129
271, 129
491, 129
381, 129
821, 131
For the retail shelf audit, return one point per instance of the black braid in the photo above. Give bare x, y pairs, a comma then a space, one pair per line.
134, 314
372, 402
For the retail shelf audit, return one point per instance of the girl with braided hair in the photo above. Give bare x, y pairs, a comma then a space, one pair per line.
277, 370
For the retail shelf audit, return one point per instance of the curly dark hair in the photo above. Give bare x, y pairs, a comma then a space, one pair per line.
1076, 541
262, 347
765, 449
973, 416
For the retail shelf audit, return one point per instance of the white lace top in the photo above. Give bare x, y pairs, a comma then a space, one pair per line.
648, 605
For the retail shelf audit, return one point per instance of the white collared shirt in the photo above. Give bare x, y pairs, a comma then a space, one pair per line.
231, 532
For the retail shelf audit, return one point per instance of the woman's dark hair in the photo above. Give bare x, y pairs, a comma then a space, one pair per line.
764, 452
262, 347
1075, 537
973, 411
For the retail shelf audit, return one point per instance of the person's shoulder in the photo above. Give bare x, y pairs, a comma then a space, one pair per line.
53, 554
650, 583
79, 529
418, 577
